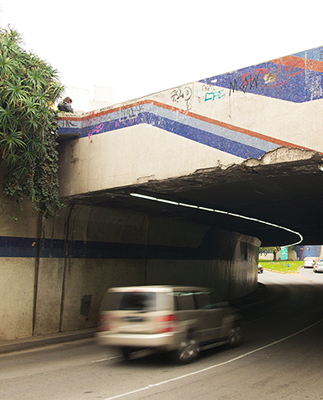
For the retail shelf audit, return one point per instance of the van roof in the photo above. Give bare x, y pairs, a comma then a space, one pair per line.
158, 288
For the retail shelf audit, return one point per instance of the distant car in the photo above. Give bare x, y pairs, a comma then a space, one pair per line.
309, 263
318, 267
260, 269
181, 320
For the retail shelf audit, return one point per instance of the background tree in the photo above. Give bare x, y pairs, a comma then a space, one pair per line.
28, 130
273, 249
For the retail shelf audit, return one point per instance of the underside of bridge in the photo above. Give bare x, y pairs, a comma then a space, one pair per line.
283, 188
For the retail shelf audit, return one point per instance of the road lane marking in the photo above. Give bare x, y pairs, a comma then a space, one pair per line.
303, 277
213, 366
106, 359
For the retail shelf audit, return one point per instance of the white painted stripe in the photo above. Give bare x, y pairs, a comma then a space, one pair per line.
222, 212
106, 359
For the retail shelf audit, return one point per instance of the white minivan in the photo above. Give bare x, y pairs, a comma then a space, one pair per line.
181, 320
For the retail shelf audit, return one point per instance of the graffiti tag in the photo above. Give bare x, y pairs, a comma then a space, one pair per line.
66, 124
250, 81
98, 129
214, 95
182, 94
129, 113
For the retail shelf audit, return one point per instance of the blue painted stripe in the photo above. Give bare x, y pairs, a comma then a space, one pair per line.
312, 54
209, 139
15, 247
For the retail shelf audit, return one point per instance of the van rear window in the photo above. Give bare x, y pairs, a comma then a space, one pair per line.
138, 301
135, 301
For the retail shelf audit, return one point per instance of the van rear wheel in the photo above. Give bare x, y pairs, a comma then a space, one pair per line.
187, 352
234, 338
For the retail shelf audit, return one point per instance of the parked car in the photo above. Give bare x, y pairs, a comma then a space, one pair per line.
318, 267
308, 263
260, 269
179, 320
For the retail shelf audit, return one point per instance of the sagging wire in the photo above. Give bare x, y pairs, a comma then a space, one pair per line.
174, 203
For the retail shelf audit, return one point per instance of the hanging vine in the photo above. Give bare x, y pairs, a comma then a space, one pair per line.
28, 129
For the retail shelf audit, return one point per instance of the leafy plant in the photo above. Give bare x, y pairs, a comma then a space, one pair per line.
28, 129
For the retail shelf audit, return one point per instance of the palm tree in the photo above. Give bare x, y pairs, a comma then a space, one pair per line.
28, 129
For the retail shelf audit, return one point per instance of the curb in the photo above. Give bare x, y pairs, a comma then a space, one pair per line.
9, 346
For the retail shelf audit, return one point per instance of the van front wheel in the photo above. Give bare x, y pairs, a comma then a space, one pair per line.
126, 352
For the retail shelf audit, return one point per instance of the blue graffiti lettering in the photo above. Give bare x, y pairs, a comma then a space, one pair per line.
214, 95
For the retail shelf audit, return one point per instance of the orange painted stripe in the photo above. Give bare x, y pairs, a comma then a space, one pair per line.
299, 62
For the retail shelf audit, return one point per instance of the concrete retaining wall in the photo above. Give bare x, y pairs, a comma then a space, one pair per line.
85, 250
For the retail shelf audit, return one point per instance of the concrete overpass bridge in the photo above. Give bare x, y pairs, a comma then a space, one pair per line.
248, 143
158, 190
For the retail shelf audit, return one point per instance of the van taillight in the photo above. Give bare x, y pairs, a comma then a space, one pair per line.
103, 323
165, 323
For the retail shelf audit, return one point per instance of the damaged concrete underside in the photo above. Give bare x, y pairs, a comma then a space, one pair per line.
284, 187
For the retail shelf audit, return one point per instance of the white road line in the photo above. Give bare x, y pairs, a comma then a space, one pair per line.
213, 366
106, 359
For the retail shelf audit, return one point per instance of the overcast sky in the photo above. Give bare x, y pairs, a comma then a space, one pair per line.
145, 46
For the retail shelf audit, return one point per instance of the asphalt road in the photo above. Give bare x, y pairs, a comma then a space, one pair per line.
281, 357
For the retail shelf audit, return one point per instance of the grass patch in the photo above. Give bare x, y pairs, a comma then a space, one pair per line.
286, 267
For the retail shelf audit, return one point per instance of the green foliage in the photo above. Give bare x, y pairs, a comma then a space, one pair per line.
266, 250
28, 129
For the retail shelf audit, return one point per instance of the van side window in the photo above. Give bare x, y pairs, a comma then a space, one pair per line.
186, 301
202, 300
